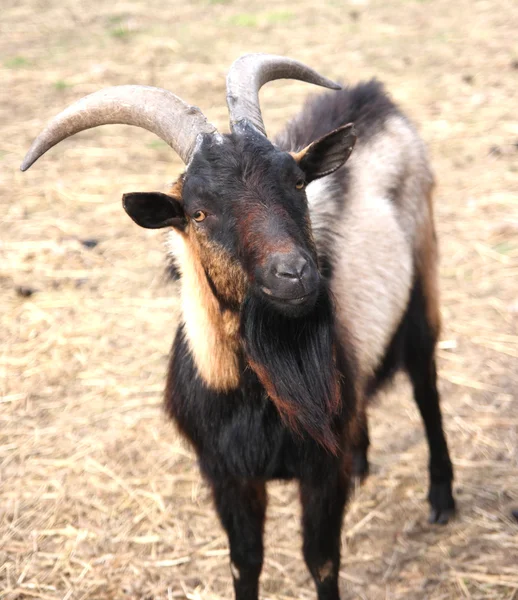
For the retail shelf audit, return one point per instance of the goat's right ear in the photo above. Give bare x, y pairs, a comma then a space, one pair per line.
327, 154
154, 210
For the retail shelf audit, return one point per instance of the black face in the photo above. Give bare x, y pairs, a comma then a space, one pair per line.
244, 196
248, 197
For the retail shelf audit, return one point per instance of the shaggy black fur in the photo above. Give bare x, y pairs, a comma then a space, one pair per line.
367, 105
297, 358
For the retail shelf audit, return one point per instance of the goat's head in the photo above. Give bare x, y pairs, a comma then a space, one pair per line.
241, 200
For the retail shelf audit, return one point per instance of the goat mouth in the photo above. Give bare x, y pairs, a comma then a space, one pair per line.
289, 300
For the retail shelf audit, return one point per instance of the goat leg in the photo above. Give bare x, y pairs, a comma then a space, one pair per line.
241, 506
323, 498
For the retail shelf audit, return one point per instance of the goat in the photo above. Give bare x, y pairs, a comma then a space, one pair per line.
306, 282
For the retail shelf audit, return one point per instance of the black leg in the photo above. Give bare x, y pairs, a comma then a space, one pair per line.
360, 446
241, 508
420, 363
424, 382
323, 503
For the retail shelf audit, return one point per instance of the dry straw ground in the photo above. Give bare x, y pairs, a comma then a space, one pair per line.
99, 498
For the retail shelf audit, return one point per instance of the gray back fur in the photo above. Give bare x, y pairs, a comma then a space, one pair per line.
369, 216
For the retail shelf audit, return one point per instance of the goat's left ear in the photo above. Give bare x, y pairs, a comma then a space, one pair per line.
154, 210
326, 154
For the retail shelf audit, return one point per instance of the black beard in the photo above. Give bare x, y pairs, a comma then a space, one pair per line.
295, 359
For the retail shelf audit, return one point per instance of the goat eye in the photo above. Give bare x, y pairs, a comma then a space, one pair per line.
300, 184
199, 215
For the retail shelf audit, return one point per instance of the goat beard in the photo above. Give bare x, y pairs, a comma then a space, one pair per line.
295, 360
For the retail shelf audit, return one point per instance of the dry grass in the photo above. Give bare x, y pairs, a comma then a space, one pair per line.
98, 497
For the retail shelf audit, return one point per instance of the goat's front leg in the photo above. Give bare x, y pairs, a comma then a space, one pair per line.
241, 507
323, 497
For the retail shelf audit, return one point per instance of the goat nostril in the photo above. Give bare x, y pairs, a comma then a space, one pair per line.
287, 274
294, 269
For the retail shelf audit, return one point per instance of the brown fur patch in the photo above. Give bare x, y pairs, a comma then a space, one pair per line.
298, 156
287, 410
427, 265
255, 231
227, 275
176, 188
212, 331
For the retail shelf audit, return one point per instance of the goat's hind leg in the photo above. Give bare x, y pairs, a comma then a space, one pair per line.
421, 340
241, 508
323, 501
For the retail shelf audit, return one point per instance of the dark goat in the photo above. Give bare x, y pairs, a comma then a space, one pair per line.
305, 285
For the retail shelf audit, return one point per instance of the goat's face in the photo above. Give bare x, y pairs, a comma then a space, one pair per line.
242, 203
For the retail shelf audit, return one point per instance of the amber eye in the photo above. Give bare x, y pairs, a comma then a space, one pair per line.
300, 184
198, 216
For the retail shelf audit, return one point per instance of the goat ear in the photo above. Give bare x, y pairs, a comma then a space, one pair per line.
154, 210
327, 154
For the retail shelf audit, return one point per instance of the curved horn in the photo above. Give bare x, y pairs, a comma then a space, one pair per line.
251, 71
154, 109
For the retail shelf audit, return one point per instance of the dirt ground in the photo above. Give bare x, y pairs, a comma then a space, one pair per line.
99, 498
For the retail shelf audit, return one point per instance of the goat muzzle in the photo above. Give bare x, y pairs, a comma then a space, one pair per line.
290, 282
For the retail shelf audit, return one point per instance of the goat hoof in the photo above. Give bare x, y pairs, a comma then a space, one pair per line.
360, 466
440, 517
441, 502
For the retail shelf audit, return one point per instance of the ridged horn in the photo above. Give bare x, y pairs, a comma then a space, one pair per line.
251, 71
151, 108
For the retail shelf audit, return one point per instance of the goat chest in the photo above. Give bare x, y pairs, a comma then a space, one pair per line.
237, 434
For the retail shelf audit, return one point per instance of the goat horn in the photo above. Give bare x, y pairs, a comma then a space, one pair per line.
151, 108
251, 71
